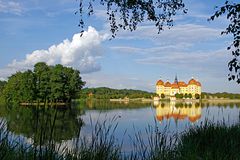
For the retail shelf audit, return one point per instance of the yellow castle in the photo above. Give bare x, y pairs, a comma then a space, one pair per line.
168, 89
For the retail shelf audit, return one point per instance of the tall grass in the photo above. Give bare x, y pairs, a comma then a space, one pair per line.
101, 144
157, 145
210, 141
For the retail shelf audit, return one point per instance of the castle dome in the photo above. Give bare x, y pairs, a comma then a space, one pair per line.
160, 83
198, 84
192, 82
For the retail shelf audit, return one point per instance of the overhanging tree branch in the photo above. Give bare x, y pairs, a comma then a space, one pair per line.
232, 11
128, 14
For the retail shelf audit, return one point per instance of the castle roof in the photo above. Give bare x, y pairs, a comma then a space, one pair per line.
167, 84
174, 85
198, 83
160, 83
177, 84
192, 82
182, 84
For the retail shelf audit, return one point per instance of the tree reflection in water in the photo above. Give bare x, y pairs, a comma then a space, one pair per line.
42, 125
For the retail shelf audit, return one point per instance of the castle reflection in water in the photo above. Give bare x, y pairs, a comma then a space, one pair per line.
190, 111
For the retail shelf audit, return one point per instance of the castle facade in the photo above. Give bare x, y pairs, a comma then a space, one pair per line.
168, 89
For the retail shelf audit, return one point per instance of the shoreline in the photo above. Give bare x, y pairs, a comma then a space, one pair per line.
43, 104
131, 100
219, 100
216, 100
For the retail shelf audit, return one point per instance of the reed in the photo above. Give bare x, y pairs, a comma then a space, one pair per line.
210, 141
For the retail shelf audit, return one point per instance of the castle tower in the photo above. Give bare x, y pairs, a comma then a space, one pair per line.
176, 80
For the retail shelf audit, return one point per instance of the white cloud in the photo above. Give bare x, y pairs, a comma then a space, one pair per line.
185, 33
10, 7
152, 50
81, 53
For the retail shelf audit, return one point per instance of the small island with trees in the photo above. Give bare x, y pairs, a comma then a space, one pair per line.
45, 84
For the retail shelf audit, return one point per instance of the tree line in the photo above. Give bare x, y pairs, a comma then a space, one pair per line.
43, 84
220, 95
109, 93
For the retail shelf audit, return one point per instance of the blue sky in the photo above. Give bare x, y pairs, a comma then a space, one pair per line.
39, 30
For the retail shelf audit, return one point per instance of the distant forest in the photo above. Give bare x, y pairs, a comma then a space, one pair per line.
206, 95
109, 93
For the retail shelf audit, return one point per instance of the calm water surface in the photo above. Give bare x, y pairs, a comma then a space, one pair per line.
79, 121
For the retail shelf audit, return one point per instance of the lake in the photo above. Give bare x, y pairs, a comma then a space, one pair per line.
65, 125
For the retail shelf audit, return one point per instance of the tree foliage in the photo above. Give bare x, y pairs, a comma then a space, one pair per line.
220, 95
162, 96
232, 11
185, 95
2, 84
43, 84
190, 95
109, 93
179, 95
128, 14
197, 96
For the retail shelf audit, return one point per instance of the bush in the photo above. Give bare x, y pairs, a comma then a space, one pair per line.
179, 96
197, 96
186, 95
190, 95
162, 96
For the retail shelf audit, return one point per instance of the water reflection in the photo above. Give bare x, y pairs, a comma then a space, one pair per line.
109, 105
42, 124
64, 125
178, 111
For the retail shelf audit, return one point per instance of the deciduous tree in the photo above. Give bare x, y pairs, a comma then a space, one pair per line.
46, 84
232, 11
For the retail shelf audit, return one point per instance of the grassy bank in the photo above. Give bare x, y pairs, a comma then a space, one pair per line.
207, 141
